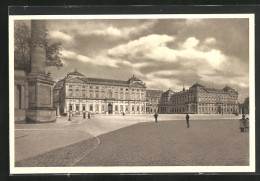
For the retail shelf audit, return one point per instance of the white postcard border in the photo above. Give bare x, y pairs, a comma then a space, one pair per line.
134, 169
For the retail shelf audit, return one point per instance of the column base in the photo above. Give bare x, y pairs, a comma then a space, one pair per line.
40, 116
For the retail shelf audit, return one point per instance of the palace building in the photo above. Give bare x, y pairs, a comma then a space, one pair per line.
153, 98
77, 94
200, 100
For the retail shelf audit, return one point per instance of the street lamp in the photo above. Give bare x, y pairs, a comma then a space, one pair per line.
69, 111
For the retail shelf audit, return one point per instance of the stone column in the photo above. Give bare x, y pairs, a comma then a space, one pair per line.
40, 108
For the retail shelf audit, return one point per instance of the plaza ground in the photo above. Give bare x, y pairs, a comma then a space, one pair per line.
133, 140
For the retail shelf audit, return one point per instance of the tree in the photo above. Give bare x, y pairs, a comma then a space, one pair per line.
22, 49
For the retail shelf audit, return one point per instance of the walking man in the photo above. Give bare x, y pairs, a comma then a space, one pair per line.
88, 115
155, 116
188, 120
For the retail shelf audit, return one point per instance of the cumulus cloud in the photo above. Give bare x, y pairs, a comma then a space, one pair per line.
191, 42
99, 60
154, 80
124, 32
162, 53
60, 35
151, 46
210, 40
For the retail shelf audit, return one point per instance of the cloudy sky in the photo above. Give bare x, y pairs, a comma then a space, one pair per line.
164, 53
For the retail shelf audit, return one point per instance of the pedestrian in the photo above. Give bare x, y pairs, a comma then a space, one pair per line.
247, 124
188, 120
84, 115
155, 116
123, 113
242, 123
88, 115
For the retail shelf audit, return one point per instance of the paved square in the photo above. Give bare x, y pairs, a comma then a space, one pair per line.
208, 142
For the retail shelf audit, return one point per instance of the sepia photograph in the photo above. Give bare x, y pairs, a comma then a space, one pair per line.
132, 93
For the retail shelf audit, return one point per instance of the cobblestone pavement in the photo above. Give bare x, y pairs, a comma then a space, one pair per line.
132, 140
170, 143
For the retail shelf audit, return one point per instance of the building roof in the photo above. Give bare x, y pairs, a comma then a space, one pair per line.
133, 78
197, 85
153, 93
59, 84
105, 81
168, 92
76, 73
77, 76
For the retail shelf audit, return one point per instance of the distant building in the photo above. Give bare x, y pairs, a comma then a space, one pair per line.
77, 94
153, 98
244, 108
200, 100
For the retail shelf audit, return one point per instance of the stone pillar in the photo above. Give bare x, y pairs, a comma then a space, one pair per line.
100, 107
40, 107
58, 110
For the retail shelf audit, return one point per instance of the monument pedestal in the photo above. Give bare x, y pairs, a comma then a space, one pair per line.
40, 99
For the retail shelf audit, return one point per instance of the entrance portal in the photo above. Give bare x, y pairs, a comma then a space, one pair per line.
110, 109
219, 109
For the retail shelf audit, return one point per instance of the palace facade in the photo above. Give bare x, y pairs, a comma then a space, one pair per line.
153, 98
200, 100
77, 94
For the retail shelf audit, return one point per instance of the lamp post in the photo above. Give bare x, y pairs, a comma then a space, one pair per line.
69, 111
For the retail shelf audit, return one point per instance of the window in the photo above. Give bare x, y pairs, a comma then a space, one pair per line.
97, 87
77, 107
91, 107
109, 94
97, 108
121, 95
83, 95
121, 108
70, 85
133, 90
126, 108
91, 94
83, 107
127, 96
103, 94
70, 94
83, 86
132, 96
137, 108
97, 94
116, 95
133, 108
70, 107
121, 89
116, 107
90, 87
126, 89
77, 92
103, 108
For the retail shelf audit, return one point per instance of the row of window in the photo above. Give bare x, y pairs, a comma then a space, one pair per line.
215, 109
117, 108
104, 95
103, 88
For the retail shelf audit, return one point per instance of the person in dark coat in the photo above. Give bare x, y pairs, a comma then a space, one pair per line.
84, 115
188, 120
88, 115
243, 123
155, 116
